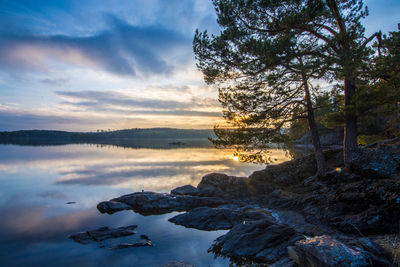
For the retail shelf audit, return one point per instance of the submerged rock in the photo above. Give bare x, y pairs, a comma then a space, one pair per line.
142, 243
148, 203
185, 190
205, 218
103, 233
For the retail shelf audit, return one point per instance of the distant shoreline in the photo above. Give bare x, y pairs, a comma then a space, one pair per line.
135, 138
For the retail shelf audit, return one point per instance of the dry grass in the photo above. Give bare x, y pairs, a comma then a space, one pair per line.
391, 243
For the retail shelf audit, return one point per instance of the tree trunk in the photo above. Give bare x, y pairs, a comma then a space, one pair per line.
350, 120
319, 155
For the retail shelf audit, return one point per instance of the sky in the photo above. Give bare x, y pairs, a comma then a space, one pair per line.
116, 64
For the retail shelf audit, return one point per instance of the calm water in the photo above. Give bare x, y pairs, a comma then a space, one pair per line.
37, 182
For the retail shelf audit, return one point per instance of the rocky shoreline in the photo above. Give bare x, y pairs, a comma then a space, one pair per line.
285, 216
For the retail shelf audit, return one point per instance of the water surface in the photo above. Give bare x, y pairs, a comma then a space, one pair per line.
37, 182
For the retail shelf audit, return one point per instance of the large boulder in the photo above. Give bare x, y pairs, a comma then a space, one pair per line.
258, 241
148, 203
326, 251
378, 162
185, 190
219, 184
205, 218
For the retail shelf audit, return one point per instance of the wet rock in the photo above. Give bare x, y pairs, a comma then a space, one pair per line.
103, 233
218, 184
145, 237
185, 190
205, 218
142, 243
325, 251
111, 207
148, 203
177, 264
259, 241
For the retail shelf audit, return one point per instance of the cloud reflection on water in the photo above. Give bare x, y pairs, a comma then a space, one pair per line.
38, 181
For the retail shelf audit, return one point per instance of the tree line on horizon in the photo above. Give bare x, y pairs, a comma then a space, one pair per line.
302, 65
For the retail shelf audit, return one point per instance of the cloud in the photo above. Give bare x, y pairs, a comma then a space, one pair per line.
54, 81
121, 49
111, 101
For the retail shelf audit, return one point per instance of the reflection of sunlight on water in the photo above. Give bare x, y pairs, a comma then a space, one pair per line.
134, 169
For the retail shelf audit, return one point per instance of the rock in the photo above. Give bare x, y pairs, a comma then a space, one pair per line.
103, 233
177, 264
143, 243
325, 251
185, 190
70, 202
259, 241
148, 203
218, 184
145, 237
381, 162
205, 218
111, 207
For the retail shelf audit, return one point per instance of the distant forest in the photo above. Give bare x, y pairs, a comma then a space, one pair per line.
137, 138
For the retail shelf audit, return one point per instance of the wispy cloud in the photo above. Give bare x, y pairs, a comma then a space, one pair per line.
111, 101
122, 49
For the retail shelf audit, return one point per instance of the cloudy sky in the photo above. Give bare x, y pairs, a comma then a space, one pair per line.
88, 65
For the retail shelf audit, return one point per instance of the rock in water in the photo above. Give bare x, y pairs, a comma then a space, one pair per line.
111, 207
103, 233
205, 218
148, 203
260, 241
185, 190
142, 243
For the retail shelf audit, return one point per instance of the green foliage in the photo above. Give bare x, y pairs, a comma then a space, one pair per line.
264, 51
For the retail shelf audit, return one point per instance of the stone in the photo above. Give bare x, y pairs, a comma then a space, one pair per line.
259, 241
380, 162
142, 243
185, 190
103, 233
325, 251
111, 207
150, 203
219, 184
205, 218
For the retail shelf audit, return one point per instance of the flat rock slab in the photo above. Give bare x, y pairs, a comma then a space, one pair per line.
149, 203
205, 218
259, 241
103, 233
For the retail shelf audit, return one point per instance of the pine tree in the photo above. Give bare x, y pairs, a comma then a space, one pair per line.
265, 26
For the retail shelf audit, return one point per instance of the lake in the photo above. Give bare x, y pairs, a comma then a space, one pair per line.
37, 183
